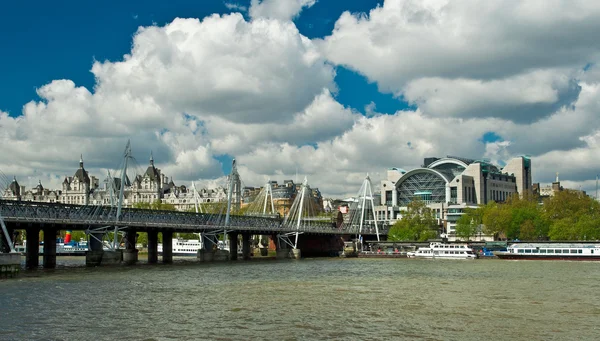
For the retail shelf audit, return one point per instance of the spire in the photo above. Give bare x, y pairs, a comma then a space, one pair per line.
81, 161
556, 176
151, 159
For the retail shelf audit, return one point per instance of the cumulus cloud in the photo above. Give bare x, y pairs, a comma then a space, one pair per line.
236, 7
278, 9
522, 98
160, 95
451, 57
221, 66
261, 92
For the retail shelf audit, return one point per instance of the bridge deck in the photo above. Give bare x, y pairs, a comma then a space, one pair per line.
82, 217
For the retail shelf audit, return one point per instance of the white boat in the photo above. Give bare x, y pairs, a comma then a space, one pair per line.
69, 249
444, 251
183, 247
552, 251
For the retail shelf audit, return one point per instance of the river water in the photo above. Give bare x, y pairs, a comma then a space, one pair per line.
308, 299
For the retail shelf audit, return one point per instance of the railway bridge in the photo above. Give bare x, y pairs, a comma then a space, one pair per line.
303, 228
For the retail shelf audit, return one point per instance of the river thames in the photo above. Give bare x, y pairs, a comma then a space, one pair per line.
309, 299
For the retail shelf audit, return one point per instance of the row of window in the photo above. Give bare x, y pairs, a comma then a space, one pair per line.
499, 195
551, 251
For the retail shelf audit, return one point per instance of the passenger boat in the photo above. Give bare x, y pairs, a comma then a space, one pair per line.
551, 251
443, 251
71, 248
183, 247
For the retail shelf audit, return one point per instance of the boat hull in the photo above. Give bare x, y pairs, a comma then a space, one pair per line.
513, 256
381, 255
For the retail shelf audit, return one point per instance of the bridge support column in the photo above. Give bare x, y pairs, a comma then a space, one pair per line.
130, 254
49, 248
95, 252
33, 247
295, 254
207, 252
167, 254
246, 246
152, 247
4, 244
233, 242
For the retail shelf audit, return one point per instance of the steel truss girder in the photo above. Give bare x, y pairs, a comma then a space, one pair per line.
62, 214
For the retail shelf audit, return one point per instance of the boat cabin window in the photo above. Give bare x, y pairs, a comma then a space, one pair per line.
557, 251
542, 250
521, 251
527, 250
535, 251
579, 251
550, 251
573, 251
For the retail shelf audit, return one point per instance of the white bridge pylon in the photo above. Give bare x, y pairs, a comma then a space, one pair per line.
263, 204
303, 215
362, 210
98, 233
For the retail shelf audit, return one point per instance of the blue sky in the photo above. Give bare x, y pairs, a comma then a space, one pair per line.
53, 40
396, 81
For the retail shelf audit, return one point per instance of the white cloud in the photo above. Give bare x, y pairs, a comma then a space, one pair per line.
175, 79
471, 58
261, 92
221, 66
236, 7
322, 120
278, 9
526, 97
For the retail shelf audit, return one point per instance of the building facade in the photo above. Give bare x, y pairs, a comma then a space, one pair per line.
283, 196
450, 184
83, 189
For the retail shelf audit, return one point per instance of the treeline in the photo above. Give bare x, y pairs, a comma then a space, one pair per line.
568, 215
418, 223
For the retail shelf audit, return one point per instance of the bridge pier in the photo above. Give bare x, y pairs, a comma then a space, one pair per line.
281, 251
49, 248
130, 254
152, 247
95, 251
33, 247
232, 245
167, 254
4, 244
246, 254
207, 252
233, 242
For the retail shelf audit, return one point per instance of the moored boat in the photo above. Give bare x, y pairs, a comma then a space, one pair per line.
443, 251
551, 251
183, 247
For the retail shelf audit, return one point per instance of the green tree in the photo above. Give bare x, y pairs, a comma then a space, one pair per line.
155, 205
417, 224
523, 208
468, 224
496, 218
572, 216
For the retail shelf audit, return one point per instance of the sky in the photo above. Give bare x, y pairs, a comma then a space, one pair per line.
330, 90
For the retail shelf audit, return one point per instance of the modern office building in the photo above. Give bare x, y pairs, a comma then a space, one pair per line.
448, 185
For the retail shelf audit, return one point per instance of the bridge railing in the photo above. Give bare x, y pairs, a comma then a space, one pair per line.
35, 212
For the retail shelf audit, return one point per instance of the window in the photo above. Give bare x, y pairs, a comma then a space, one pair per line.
579, 251
527, 250
573, 251
521, 251
543, 251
